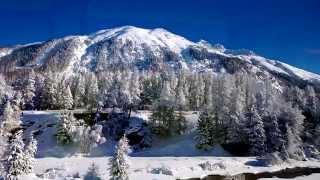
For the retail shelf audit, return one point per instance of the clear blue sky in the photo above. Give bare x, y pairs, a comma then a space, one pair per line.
288, 30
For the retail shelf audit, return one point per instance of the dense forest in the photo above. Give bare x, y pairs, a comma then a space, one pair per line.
236, 110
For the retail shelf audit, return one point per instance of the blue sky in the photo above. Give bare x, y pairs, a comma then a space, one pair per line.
288, 30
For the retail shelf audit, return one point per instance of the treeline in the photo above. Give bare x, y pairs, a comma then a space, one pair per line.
235, 108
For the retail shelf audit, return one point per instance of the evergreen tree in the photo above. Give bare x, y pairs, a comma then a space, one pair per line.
275, 140
180, 95
135, 89
29, 92
39, 92
293, 119
91, 91
16, 164
93, 173
3, 153
79, 91
30, 152
10, 119
67, 126
50, 92
163, 117
119, 163
67, 99
162, 120
180, 123
204, 137
151, 88
256, 133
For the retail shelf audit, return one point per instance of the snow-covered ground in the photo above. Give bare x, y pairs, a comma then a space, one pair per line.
165, 168
167, 159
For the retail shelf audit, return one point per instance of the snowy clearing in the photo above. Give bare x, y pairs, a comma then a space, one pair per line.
164, 161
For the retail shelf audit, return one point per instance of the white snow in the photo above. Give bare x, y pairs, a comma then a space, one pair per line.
151, 37
269, 64
305, 75
155, 167
78, 52
5, 51
167, 159
156, 40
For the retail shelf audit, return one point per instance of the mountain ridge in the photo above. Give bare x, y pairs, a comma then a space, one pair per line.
142, 49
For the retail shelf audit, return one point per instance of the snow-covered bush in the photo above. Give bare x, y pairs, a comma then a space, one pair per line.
93, 173
76, 131
162, 170
88, 137
208, 166
139, 133
68, 127
119, 163
53, 173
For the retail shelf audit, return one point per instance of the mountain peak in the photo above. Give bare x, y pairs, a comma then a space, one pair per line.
158, 37
143, 49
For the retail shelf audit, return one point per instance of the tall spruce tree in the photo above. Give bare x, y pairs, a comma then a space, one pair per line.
204, 136
29, 155
255, 132
16, 164
119, 163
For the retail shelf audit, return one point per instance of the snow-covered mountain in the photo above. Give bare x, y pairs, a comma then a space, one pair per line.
144, 49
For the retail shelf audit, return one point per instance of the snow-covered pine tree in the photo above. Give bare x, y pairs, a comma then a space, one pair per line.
293, 124
255, 132
207, 92
312, 113
221, 108
162, 118
39, 84
10, 119
78, 89
3, 153
29, 155
196, 86
93, 173
235, 132
67, 99
151, 88
16, 102
91, 91
49, 92
180, 123
67, 126
180, 95
204, 137
135, 89
119, 163
293, 147
16, 164
29, 92
88, 137
275, 140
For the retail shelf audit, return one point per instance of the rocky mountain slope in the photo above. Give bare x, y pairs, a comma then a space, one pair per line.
144, 49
